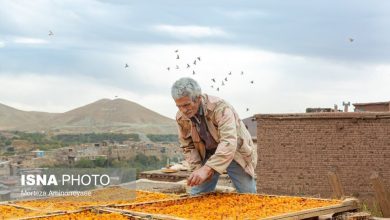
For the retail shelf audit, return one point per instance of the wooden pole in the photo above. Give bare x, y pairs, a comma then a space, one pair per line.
337, 189
381, 194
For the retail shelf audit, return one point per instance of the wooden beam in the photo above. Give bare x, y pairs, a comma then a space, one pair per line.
335, 183
381, 194
359, 216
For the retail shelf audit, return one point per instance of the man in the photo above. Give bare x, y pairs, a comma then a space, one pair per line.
213, 139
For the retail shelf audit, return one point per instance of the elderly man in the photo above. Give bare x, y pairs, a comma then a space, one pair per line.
213, 139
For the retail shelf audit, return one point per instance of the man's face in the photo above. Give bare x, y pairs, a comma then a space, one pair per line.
188, 107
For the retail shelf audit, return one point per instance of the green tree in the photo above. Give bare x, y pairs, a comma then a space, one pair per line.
100, 162
84, 163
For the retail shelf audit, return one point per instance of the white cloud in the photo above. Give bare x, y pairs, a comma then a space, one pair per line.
191, 31
2, 44
27, 40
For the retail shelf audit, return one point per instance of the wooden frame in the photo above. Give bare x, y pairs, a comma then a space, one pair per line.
346, 205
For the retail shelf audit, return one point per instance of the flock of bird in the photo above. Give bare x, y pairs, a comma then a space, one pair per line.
216, 84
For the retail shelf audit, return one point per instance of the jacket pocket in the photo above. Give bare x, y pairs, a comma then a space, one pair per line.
244, 148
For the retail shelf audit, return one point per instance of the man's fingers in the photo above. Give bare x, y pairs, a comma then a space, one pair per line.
194, 181
189, 180
198, 181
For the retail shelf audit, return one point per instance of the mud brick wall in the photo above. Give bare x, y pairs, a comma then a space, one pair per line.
296, 151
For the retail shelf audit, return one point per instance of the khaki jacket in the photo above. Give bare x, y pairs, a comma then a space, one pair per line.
234, 140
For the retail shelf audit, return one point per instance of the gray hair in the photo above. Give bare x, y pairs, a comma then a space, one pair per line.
185, 87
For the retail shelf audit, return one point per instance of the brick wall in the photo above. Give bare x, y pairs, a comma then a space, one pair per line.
297, 150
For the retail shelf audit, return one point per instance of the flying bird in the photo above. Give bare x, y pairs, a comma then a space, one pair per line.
351, 40
177, 67
177, 57
126, 65
51, 33
212, 86
194, 62
223, 83
168, 68
193, 72
213, 79
188, 65
176, 51
247, 109
225, 79
230, 73
252, 81
198, 58
218, 89
242, 72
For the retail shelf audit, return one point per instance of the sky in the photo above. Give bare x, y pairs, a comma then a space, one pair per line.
272, 56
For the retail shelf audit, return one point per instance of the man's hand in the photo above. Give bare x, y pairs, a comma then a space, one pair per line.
199, 176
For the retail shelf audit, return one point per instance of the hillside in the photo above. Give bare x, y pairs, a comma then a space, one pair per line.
118, 115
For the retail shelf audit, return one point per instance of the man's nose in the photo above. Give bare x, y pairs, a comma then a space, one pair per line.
182, 108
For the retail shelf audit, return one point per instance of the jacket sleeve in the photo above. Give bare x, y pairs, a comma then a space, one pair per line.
191, 154
227, 130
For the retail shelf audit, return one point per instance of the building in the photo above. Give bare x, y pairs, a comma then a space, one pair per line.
5, 168
372, 107
296, 152
310, 110
38, 153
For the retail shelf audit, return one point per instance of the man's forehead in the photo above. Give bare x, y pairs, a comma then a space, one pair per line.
183, 100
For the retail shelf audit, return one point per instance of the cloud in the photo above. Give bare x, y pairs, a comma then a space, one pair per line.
35, 92
282, 83
298, 54
27, 40
190, 31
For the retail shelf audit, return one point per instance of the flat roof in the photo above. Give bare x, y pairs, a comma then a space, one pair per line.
372, 103
325, 115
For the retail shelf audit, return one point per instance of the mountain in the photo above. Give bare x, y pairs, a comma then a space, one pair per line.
14, 119
118, 115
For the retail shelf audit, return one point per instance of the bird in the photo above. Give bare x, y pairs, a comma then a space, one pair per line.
194, 62
223, 83
126, 65
176, 50
198, 58
213, 79
351, 40
252, 81
51, 33
212, 86
218, 89
188, 65
230, 73
177, 67
242, 72
177, 57
193, 72
168, 68
247, 109
226, 79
